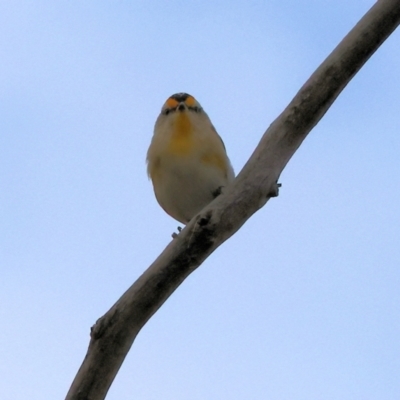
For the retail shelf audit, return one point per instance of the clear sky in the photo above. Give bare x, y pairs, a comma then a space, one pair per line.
302, 303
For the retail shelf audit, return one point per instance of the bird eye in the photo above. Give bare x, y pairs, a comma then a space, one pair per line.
167, 111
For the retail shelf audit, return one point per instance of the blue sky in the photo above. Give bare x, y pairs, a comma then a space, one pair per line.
302, 303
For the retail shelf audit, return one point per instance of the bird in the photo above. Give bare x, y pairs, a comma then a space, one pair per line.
187, 160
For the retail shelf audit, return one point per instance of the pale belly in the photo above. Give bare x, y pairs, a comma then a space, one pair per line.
185, 188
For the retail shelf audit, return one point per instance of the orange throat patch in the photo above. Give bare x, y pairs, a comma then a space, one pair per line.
182, 137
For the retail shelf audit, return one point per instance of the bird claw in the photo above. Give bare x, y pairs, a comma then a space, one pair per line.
175, 235
217, 192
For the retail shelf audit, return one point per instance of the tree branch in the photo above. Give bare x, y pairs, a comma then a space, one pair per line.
114, 333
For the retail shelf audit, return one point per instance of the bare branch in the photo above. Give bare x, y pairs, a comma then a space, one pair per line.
114, 333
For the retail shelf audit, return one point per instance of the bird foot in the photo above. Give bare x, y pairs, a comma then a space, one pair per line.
174, 234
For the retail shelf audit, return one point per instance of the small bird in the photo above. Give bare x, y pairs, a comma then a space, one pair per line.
186, 160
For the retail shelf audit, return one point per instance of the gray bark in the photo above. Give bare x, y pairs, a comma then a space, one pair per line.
113, 334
